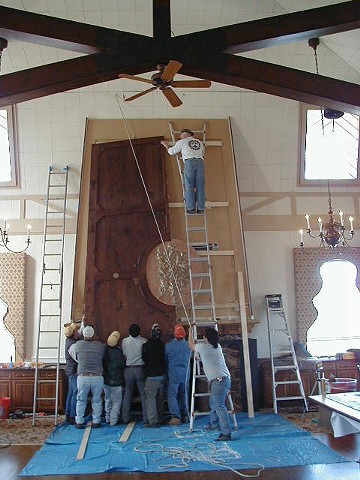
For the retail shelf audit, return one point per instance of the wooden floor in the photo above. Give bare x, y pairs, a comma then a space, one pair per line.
14, 458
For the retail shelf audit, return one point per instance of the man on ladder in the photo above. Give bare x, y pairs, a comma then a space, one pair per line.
192, 152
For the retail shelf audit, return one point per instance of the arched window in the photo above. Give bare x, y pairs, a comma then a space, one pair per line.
337, 326
309, 282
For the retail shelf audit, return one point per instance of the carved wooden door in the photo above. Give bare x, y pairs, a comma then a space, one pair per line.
122, 232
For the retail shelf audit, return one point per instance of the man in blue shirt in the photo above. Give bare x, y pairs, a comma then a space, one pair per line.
177, 355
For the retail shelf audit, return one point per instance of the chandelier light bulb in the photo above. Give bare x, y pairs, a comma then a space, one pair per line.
301, 231
341, 218
351, 223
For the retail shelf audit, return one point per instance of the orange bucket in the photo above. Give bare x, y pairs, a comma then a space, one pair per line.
4, 407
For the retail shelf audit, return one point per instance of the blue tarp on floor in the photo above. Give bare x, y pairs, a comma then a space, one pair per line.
267, 440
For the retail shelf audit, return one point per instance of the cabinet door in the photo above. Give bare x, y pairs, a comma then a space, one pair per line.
47, 389
5, 384
23, 390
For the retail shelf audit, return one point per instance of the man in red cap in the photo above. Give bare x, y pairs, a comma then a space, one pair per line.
177, 354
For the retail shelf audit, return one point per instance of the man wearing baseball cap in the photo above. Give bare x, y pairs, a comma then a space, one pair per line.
89, 354
114, 364
72, 335
192, 153
177, 355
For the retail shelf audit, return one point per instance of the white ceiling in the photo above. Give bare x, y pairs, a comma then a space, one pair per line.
338, 55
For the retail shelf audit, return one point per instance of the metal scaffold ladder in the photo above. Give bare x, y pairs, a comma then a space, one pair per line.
46, 387
282, 355
203, 310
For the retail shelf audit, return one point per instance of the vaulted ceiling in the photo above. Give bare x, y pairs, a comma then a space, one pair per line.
223, 41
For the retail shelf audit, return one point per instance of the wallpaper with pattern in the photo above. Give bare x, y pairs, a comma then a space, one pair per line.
12, 292
308, 281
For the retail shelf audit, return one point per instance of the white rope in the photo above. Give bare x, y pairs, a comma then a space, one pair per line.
199, 452
152, 210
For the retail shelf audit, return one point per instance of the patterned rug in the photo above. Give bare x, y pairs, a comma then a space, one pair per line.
22, 432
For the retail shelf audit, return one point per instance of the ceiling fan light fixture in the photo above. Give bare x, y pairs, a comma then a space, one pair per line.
332, 114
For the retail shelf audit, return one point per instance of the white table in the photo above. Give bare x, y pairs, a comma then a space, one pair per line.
345, 418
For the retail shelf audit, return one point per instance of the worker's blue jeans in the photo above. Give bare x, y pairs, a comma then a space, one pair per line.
218, 411
194, 178
176, 397
84, 385
70, 406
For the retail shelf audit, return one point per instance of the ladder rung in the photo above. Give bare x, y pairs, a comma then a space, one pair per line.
49, 315
55, 226
48, 348
205, 394
49, 331
199, 275
298, 397
53, 239
198, 259
289, 382
45, 398
196, 229
204, 307
57, 185
52, 254
51, 284
284, 367
204, 290
50, 299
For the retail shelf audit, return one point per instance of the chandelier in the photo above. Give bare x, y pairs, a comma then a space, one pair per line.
332, 233
4, 232
4, 238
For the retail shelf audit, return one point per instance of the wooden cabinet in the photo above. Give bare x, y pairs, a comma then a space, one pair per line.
18, 385
308, 371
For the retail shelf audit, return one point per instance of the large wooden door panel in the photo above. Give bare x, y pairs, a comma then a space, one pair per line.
122, 233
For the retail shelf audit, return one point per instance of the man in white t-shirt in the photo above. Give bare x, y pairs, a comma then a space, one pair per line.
218, 376
134, 371
192, 152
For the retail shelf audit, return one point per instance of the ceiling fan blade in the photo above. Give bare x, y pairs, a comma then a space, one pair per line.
140, 94
191, 83
170, 70
133, 77
172, 97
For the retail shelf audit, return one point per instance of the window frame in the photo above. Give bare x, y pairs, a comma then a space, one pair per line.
12, 133
302, 181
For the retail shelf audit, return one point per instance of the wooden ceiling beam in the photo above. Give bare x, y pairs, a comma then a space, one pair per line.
274, 80
274, 31
123, 52
161, 20
70, 74
59, 33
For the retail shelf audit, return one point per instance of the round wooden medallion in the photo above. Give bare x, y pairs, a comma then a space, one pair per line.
167, 273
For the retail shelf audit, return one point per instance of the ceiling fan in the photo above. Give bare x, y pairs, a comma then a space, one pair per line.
164, 80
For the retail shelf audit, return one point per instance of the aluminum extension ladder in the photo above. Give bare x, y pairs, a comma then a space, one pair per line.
50, 303
282, 354
203, 311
